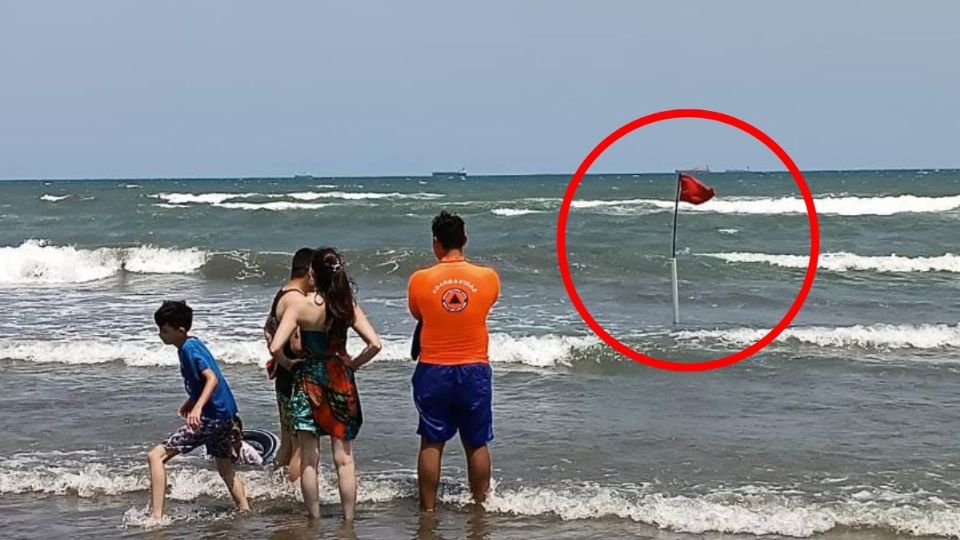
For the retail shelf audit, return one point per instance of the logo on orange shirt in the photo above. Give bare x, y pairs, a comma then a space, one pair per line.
454, 300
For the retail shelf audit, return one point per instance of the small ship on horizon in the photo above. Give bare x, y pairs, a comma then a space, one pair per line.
451, 175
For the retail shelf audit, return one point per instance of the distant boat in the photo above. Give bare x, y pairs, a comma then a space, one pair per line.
737, 170
697, 169
452, 175
303, 177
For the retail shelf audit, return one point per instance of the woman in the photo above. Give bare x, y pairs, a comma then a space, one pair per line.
325, 399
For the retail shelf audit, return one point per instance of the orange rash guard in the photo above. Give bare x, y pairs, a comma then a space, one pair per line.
453, 299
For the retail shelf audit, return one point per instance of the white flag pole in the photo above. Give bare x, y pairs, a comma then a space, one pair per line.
673, 257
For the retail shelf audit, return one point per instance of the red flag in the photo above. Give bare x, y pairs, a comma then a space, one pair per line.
694, 191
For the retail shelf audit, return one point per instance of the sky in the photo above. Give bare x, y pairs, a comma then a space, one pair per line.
135, 89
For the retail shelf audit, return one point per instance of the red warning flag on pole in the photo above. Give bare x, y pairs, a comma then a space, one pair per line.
694, 191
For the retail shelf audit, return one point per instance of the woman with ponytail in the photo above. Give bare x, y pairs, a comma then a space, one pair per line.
325, 400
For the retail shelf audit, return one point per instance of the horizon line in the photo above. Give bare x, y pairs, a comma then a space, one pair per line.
430, 175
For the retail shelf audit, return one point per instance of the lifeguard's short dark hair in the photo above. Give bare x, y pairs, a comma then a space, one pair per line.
449, 230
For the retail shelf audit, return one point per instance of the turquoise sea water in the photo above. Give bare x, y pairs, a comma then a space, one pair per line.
845, 426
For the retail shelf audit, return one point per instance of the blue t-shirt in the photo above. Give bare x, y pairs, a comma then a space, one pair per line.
194, 359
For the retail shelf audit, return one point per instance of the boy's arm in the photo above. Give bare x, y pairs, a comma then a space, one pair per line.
288, 324
185, 408
209, 384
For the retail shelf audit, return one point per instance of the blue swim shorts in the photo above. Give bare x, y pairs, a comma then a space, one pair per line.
454, 398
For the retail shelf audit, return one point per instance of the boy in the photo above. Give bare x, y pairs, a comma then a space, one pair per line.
209, 409
289, 453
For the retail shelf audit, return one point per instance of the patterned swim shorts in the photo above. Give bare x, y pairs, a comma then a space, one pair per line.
216, 435
286, 415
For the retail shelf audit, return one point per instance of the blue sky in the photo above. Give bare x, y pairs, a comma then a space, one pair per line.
238, 88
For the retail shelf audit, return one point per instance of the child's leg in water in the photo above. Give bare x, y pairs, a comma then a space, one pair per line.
157, 459
234, 483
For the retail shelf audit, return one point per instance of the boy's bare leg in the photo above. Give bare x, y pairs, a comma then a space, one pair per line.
478, 471
234, 483
157, 459
346, 475
309, 458
285, 451
288, 455
428, 473
293, 467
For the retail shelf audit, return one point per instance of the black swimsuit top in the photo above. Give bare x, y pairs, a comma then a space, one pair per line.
284, 378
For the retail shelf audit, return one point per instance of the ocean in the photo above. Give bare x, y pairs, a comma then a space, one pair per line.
844, 427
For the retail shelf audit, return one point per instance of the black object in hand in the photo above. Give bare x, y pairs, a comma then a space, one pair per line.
415, 346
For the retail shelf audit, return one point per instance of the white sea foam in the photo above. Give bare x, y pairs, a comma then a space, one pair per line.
728, 231
847, 262
134, 353
356, 196
274, 206
35, 261
228, 200
156, 260
755, 512
751, 510
53, 198
652, 203
879, 337
510, 212
842, 206
202, 198
546, 351
85, 478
